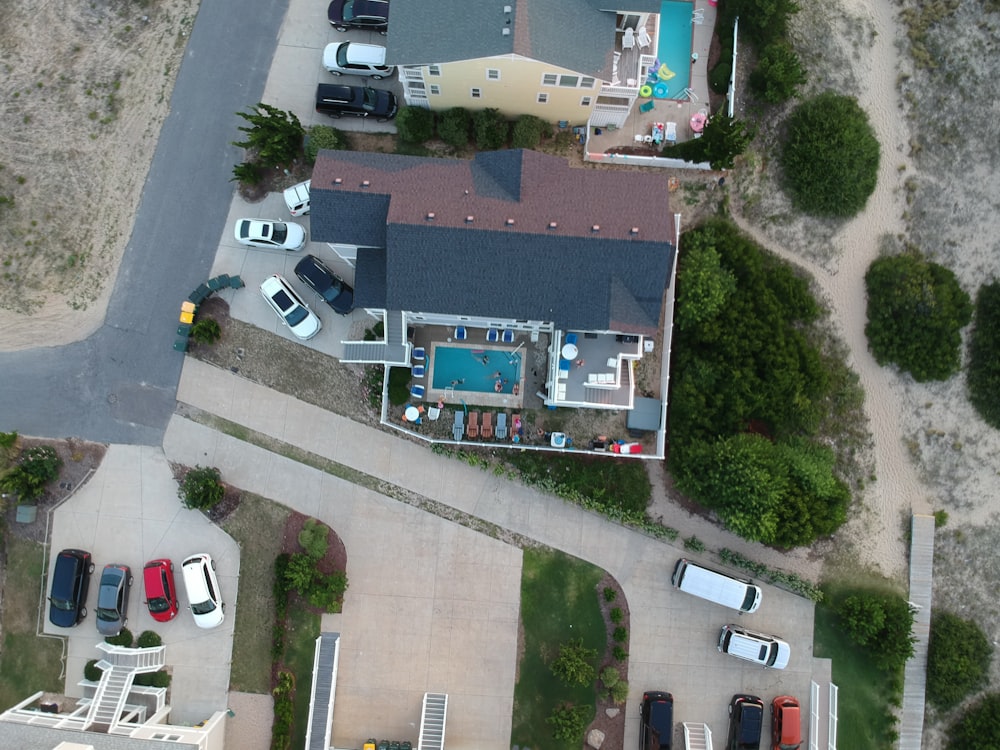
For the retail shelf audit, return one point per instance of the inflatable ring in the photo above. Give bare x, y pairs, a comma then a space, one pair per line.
660, 90
646, 91
665, 73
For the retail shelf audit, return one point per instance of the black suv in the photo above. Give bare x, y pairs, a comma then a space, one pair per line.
746, 717
657, 716
337, 100
333, 290
372, 15
70, 582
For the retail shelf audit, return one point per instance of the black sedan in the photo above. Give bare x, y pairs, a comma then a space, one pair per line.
372, 15
331, 288
337, 100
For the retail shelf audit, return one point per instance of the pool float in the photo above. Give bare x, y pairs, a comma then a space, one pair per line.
646, 91
665, 73
660, 90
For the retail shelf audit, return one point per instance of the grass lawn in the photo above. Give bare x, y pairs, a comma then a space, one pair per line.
300, 648
865, 718
559, 603
28, 663
255, 525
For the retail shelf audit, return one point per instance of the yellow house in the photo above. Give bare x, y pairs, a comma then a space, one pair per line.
555, 60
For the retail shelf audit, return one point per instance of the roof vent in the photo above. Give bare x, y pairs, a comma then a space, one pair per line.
595, 228
337, 181
469, 219
508, 10
366, 183
553, 225
510, 222
430, 216
635, 230
505, 31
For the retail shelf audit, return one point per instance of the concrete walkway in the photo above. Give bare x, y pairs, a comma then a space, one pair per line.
673, 636
911, 725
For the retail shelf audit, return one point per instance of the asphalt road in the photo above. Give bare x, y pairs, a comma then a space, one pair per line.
119, 385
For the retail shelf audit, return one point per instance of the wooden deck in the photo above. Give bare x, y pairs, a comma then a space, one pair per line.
911, 725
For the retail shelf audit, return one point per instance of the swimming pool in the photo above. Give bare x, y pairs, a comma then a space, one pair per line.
478, 370
674, 44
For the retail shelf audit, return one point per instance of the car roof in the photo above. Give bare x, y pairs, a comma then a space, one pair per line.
194, 578
337, 92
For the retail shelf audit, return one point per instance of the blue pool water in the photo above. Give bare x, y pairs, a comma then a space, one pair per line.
674, 45
475, 369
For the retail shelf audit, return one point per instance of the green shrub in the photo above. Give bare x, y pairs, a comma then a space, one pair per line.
284, 711
92, 672
703, 286
694, 544
491, 129
619, 653
415, 124
916, 310
247, 173
958, 660
778, 73
610, 676
529, 131
882, 623
323, 137
719, 76
148, 639
568, 722
619, 692
399, 385
940, 518
206, 331
201, 488
36, 468
8, 440
124, 638
159, 679
761, 21
315, 538
723, 139
620, 634
574, 665
453, 127
274, 135
984, 355
830, 156
326, 591
979, 726
610, 594
616, 615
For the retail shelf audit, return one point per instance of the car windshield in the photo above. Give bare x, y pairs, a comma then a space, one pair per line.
333, 292
342, 55
349, 10
278, 233
203, 608
64, 604
108, 615
296, 316
371, 99
159, 604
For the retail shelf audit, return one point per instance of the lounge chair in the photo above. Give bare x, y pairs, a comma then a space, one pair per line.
487, 430
418, 371
419, 354
492, 335
458, 429
647, 106
433, 413
473, 429
517, 430
671, 135
643, 38
628, 38
461, 334
417, 391
508, 336
563, 368
501, 425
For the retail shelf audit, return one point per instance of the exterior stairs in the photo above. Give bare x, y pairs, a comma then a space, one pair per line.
697, 736
120, 666
432, 721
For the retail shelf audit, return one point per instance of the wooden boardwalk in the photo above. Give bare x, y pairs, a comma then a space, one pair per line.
911, 725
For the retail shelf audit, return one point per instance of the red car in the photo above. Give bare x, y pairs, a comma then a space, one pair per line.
161, 594
786, 723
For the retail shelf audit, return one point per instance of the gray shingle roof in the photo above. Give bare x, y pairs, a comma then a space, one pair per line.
31, 737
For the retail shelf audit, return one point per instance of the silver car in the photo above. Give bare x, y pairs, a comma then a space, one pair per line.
280, 235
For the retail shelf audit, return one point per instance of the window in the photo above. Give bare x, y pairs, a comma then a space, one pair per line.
587, 83
585, 101
570, 81
477, 93
415, 85
433, 70
492, 74
435, 89
550, 79
543, 98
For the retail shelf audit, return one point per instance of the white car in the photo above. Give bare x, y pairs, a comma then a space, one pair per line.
204, 594
352, 58
290, 308
281, 235
297, 198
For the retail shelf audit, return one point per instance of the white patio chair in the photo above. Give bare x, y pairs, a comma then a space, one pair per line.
638, 137
643, 38
628, 38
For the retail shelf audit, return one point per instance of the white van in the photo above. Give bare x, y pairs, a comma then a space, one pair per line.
737, 594
760, 648
297, 198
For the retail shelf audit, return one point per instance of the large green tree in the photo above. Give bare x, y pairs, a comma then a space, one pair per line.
830, 156
916, 310
984, 355
979, 727
958, 659
778, 73
273, 134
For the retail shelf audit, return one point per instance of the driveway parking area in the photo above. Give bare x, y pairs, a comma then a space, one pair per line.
129, 513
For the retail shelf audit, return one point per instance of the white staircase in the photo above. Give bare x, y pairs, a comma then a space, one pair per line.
697, 736
432, 721
120, 666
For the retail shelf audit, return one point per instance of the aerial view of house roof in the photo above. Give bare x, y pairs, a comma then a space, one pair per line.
509, 234
573, 34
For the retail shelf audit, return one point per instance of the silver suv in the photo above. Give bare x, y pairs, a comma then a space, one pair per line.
766, 650
352, 58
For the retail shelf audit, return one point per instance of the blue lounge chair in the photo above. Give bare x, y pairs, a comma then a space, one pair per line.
492, 335
458, 429
461, 334
508, 336
563, 365
417, 391
418, 371
571, 338
419, 355
501, 431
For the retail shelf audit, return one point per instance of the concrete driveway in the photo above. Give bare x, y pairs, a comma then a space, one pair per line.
129, 513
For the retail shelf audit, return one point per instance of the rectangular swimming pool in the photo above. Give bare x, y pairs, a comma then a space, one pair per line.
478, 370
674, 44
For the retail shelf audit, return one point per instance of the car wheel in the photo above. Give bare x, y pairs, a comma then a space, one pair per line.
376, 78
384, 32
90, 568
131, 580
83, 612
334, 115
124, 623
171, 567
213, 564
223, 606
340, 28
334, 72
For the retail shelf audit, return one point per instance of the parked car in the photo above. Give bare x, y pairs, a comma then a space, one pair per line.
656, 731
332, 289
280, 235
746, 717
290, 308
203, 592
372, 15
337, 100
70, 583
786, 723
297, 198
352, 58
161, 593
112, 599
760, 648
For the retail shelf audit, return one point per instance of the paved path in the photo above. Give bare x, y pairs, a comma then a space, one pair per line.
672, 637
911, 725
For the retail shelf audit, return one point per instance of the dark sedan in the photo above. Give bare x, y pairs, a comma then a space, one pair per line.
372, 15
337, 100
315, 274
112, 599
70, 581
